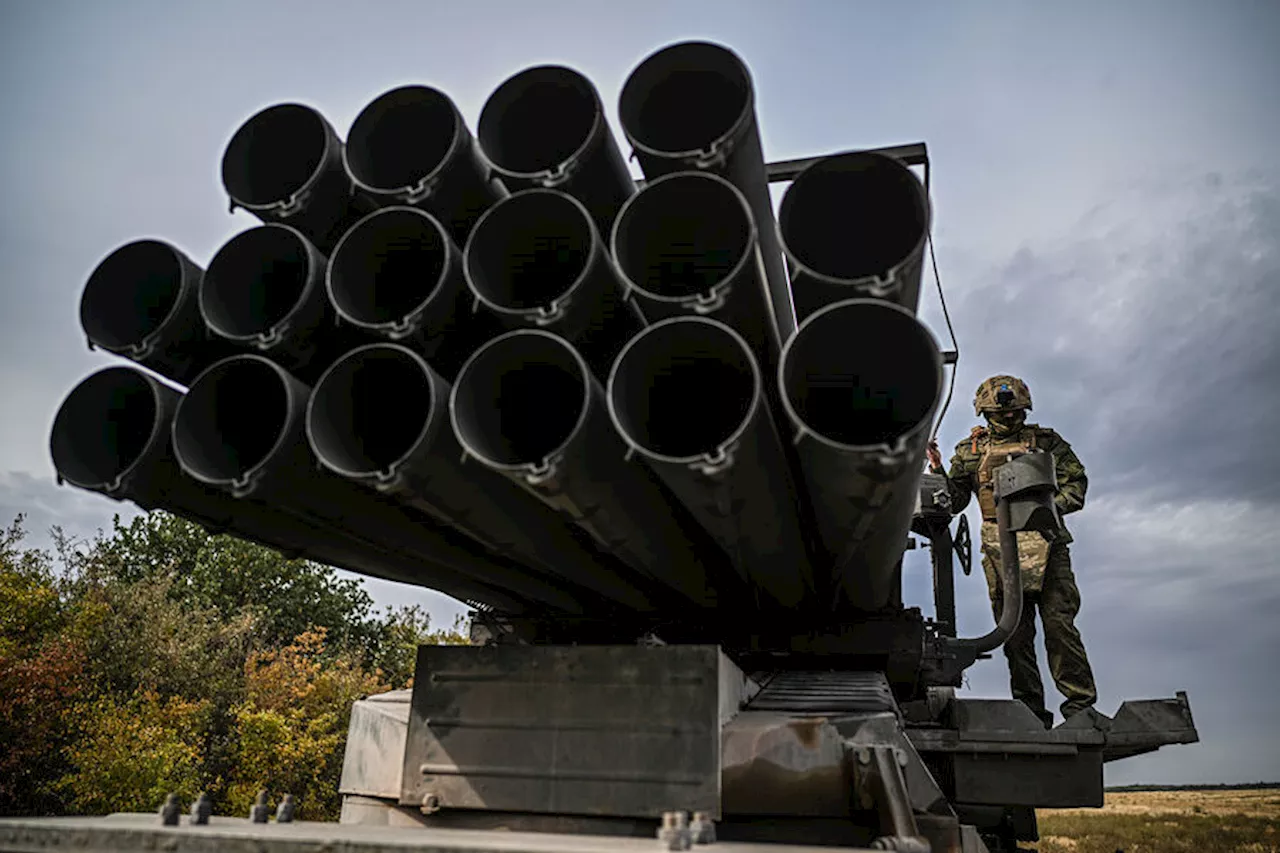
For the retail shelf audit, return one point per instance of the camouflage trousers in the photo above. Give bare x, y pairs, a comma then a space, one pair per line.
1058, 603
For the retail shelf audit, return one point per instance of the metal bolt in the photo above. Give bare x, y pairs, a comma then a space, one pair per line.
864, 755
260, 813
284, 814
169, 811
702, 829
430, 803
901, 755
674, 833
201, 809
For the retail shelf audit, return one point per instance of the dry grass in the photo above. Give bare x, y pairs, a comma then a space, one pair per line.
1155, 821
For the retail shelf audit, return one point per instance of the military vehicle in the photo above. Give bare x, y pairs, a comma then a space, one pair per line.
668, 446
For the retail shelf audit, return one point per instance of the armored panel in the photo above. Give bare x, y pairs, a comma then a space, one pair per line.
374, 756
1039, 781
628, 731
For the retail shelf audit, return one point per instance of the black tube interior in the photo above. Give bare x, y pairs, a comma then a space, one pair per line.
231, 419
129, 295
529, 249
538, 119
274, 154
853, 215
683, 235
255, 281
684, 97
861, 374
401, 137
103, 427
520, 399
370, 410
682, 389
387, 267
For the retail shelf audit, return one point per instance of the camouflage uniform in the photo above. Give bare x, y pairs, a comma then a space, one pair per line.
1047, 580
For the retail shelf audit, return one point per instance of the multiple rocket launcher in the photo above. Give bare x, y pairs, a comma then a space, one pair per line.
495, 366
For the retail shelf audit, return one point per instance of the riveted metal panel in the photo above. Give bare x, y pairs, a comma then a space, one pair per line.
603, 730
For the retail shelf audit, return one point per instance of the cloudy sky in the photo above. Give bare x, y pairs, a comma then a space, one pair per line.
1107, 220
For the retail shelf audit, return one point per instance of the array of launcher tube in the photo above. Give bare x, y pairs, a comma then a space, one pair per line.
499, 366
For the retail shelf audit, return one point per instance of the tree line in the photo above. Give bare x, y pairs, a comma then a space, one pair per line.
158, 658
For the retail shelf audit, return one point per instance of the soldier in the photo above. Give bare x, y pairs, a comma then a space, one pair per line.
1047, 580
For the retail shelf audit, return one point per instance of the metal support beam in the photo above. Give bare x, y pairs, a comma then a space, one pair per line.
914, 154
877, 776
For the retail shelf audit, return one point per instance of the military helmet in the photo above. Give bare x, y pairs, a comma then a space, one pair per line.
1001, 394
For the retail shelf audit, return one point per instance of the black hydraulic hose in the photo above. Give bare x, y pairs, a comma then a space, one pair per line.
397, 274
264, 290
537, 260
686, 393
1010, 588
546, 127
527, 406
112, 436
240, 428
379, 418
140, 302
284, 164
410, 146
861, 381
691, 105
855, 225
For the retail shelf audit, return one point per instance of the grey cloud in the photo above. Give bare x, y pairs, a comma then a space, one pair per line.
1148, 337
44, 505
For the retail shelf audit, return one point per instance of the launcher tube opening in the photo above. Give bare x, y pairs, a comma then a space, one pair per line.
520, 399
104, 427
529, 250
538, 120
131, 294
861, 373
685, 98
683, 389
370, 410
387, 267
853, 216
233, 419
274, 155
683, 235
256, 281
402, 137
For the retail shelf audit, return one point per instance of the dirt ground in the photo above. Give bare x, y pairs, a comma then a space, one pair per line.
1245, 821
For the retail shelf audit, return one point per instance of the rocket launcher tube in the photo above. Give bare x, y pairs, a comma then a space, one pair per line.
140, 302
545, 127
410, 146
861, 382
686, 394
112, 436
537, 260
240, 429
527, 406
379, 419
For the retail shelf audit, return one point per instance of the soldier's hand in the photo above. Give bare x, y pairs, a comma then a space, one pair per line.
935, 458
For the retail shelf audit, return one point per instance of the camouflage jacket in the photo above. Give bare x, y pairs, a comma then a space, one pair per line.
963, 478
